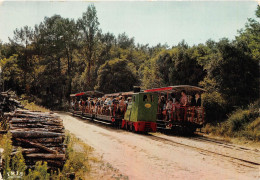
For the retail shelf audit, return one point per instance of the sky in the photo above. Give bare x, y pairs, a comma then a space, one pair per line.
149, 22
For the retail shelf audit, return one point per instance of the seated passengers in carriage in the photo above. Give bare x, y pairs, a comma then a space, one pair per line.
169, 110
102, 102
196, 103
184, 98
72, 104
129, 101
184, 103
115, 105
97, 108
122, 105
88, 105
108, 103
176, 109
94, 107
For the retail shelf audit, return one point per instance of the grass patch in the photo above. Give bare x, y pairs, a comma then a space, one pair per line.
243, 124
33, 107
78, 157
85, 164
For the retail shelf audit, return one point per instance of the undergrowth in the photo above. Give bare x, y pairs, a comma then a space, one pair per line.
77, 163
31, 105
242, 123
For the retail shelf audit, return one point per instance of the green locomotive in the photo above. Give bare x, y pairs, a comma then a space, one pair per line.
140, 115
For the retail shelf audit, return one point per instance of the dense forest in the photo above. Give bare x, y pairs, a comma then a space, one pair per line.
60, 56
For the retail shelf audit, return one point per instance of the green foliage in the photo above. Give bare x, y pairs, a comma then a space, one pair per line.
249, 37
215, 106
11, 72
7, 154
40, 172
178, 65
242, 123
236, 74
115, 76
88, 25
77, 154
257, 12
18, 162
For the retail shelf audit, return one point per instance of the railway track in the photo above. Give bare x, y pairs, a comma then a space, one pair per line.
225, 144
248, 163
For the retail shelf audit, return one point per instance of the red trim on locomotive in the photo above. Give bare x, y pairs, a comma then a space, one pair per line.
140, 126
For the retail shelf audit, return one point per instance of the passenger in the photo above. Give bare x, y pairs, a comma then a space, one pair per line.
72, 103
122, 105
173, 97
177, 106
183, 102
98, 105
102, 102
92, 105
129, 101
161, 104
109, 104
95, 101
83, 105
169, 109
193, 102
126, 99
197, 99
184, 99
164, 110
88, 105
115, 101
76, 105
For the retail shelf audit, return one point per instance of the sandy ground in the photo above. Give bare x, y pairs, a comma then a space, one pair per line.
159, 156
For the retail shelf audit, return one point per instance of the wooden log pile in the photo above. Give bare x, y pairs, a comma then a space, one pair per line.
8, 103
41, 136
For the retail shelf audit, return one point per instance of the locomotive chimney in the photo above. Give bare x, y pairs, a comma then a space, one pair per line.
137, 89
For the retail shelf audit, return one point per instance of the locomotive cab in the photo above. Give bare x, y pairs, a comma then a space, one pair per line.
141, 113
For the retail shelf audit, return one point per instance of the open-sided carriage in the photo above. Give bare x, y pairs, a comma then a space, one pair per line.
114, 113
180, 118
80, 103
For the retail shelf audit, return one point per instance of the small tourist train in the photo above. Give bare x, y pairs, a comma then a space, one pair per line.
176, 108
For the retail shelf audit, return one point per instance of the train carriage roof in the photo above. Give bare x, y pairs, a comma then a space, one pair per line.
120, 94
77, 94
88, 93
113, 94
176, 89
94, 93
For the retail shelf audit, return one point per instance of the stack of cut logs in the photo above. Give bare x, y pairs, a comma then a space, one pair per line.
8, 102
40, 135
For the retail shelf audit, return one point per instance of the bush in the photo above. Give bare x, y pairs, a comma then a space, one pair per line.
215, 106
40, 172
18, 162
242, 123
7, 145
77, 157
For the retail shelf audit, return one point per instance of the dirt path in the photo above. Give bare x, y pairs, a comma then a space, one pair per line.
159, 156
